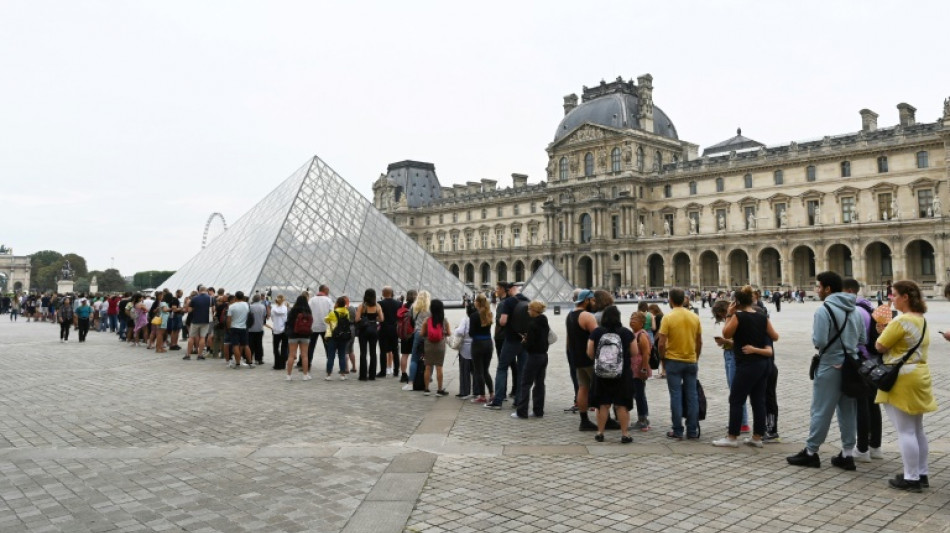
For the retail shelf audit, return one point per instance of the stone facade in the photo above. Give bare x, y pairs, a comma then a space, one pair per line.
16, 270
627, 205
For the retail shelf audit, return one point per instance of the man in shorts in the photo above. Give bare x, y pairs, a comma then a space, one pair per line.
237, 326
199, 309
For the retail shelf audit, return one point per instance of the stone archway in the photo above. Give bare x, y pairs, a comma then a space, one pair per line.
770, 268
921, 264
455, 270
878, 264
803, 267
681, 266
585, 272
17, 286
502, 269
486, 274
535, 265
655, 271
839, 260
470, 274
709, 270
519, 271
738, 268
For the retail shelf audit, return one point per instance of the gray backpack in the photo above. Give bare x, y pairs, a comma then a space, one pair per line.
608, 359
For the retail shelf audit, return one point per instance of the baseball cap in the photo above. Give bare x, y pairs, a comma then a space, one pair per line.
585, 294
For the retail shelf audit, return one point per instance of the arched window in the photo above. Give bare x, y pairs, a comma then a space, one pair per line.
562, 169
922, 159
720, 185
615, 160
692, 188
748, 181
589, 165
779, 177
846, 169
811, 173
882, 164
585, 228
676, 159
640, 158
657, 161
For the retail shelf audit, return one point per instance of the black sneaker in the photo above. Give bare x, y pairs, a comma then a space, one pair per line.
381, 374
441, 392
599, 437
803, 459
627, 439
900, 483
587, 425
612, 424
186, 358
842, 462
924, 480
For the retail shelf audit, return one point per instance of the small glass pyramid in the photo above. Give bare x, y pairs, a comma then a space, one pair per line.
548, 285
314, 229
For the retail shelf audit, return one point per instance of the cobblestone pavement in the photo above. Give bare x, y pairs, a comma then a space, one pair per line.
102, 437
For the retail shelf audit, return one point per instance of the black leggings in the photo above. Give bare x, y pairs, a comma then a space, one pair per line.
869, 423
750, 381
370, 341
280, 350
64, 330
481, 356
83, 329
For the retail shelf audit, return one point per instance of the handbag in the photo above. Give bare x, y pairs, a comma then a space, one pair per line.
877, 374
552, 337
157, 321
454, 341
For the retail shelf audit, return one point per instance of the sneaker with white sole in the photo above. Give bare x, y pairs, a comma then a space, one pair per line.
245, 365
726, 442
407, 387
876, 453
749, 441
328, 378
230, 364
862, 457
289, 378
342, 377
307, 377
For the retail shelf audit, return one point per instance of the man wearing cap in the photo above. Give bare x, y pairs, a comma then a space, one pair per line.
580, 323
512, 351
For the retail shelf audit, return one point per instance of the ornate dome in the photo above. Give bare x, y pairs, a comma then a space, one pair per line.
615, 105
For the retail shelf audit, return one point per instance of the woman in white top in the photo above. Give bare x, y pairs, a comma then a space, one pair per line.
278, 315
465, 360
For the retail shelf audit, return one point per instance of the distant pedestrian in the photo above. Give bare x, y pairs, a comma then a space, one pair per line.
65, 318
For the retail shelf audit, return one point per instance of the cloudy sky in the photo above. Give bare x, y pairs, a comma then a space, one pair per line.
125, 124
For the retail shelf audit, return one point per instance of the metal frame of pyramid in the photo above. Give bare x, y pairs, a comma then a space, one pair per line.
548, 285
314, 229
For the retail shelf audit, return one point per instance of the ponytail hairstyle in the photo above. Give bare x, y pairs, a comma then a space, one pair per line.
484, 311
915, 302
745, 296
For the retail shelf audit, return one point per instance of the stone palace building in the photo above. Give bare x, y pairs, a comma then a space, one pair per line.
628, 205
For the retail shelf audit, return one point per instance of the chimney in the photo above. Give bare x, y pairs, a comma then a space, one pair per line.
906, 113
868, 120
519, 180
645, 97
488, 185
570, 102
473, 187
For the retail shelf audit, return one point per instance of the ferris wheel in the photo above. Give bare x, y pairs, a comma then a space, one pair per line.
216, 231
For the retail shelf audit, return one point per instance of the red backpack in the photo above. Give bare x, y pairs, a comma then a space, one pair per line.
303, 324
434, 333
404, 326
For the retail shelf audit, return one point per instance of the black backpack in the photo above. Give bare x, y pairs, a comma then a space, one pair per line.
520, 318
342, 331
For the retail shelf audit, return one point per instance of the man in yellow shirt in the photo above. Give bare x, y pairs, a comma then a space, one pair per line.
680, 344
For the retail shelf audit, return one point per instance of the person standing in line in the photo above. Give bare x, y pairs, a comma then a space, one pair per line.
388, 340
65, 318
237, 326
351, 344
616, 391
434, 345
83, 316
680, 344
752, 336
420, 314
720, 312
836, 332
126, 320
174, 323
480, 322
536, 364
339, 336
501, 292
572, 370
641, 369
278, 315
512, 351
465, 357
14, 308
255, 332
405, 345
657, 320
320, 306
580, 323
869, 422
199, 309
369, 315
298, 335
912, 394
137, 333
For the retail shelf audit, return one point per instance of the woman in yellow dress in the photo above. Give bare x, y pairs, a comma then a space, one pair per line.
912, 394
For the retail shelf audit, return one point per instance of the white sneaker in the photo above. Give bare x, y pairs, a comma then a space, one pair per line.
876, 453
861, 457
342, 377
407, 387
328, 378
289, 378
307, 377
389, 371
245, 365
752, 442
726, 442
230, 364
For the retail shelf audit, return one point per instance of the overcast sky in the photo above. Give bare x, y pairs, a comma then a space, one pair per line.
124, 124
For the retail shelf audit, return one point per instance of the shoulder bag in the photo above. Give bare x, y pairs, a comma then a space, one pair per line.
852, 384
882, 376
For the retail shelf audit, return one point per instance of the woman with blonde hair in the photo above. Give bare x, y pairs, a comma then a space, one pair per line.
420, 314
906, 339
479, 330
278, 315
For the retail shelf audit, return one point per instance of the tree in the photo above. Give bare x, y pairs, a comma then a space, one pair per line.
150, 279
38, 262
111, 281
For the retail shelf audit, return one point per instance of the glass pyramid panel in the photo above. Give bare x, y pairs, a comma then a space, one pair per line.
316, 229
548, 285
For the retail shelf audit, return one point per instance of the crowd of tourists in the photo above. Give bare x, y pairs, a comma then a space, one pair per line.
868, 355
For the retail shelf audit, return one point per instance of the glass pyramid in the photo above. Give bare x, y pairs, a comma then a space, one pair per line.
314, 229
548, 285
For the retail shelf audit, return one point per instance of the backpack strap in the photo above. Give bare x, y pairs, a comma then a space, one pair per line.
914, 349
838, 333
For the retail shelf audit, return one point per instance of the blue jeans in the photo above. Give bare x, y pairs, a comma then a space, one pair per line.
511, 354
113, 322
123, 325
417, 343
679, 376
730, 358
826, 399
338, 349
